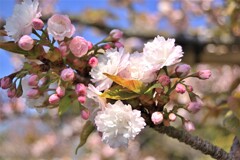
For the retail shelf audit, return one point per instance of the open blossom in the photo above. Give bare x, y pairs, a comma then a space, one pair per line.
20, 23
112, 62
161, 52
139, 69
60, 26
119, 123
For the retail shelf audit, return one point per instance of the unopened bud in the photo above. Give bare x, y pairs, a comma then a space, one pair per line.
26, 43
157, 118
11, 92
80, 89
63, 49
53, 99
180, 88
189, 126
37, 24
164, 80
67, 74
33, 93
78, 46
6, 82
82, 99
182, 70
195, 106
93, 62
85, 114
90, 45
204, 74
33, 80
172, 117
107, 46
60, 91
189, 88
116, 34
118, 44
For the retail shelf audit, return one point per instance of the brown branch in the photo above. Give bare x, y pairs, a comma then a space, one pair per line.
235, 149
195, 142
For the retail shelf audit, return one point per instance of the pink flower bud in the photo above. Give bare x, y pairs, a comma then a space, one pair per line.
80, 89
33, 93
6, 83
118, 44
33, 80
189, 126
182, 70
37, 24
63, 49
189, 88
164, 80
78, 46
11, 92
67, 74
107, 46
90, 45
85, 114
53, 99
60, 91
180, 88
93, 62
116, 34
157, 118
204, 74
172, 117
82, 99
26, 43
195, 106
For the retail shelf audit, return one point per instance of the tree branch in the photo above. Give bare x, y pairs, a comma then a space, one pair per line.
235, 149
195, 142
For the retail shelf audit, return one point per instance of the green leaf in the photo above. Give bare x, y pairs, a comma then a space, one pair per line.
119, 93
232, 124
86, 131
133, 85
156, 85
64, 105
11, 46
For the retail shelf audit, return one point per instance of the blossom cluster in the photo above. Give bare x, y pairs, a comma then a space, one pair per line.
117, 91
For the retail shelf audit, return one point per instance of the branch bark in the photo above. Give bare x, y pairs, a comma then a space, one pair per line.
195, 142
235, 149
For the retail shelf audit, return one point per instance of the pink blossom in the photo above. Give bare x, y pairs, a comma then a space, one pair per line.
60, 91
85, 114
195, 106
82, 99
157, 118
37, 24
189, 126
164, 80
182, 70
118, 44
80, 89
93, 62
67, 74
6, 83
26, 43
172, 117
90, 45
53, 99
107, 46
63, 49
11, 92
180, 88
78, 46
204, 74
189, 88
60, 27
116, 34
33, 80
33, 93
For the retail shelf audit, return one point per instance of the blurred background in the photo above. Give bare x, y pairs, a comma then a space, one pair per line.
208, 31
